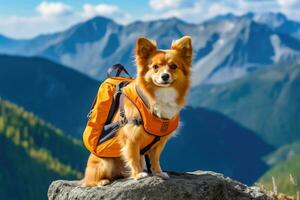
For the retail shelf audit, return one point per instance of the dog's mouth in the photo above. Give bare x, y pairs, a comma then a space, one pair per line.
162, 83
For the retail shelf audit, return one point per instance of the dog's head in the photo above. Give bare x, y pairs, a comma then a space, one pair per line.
164, 68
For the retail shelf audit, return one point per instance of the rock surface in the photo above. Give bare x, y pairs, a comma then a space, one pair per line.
195, 185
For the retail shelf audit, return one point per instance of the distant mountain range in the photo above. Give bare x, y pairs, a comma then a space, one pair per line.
275, 21
33, 154
226, 47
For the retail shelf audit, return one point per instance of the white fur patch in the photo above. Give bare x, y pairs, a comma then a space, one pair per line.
166, 106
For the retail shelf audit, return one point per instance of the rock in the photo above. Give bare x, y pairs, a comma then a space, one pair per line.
195, 185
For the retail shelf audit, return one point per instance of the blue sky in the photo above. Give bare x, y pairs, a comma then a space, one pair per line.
29, 18
28, 7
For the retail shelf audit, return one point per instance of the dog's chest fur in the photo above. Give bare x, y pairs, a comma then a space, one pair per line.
166, 106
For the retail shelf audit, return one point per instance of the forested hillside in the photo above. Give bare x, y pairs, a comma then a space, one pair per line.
33, 153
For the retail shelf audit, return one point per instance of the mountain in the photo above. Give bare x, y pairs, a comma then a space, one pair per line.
34, 153
279, 23
7, 44
276, 21
208, 140
4, 40
56, 93
266, 101
226, 47
284, 174
92, 46
244, 47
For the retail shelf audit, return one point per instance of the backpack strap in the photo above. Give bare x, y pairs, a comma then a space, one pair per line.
124, 120
92, 107
116, 101
145, 149
148, 147
148, 163
110, 129
120, 68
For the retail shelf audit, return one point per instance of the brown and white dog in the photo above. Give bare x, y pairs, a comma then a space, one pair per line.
164, 78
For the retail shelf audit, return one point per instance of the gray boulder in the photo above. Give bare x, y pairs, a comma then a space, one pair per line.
195, 185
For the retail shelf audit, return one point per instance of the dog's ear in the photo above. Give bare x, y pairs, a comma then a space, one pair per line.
184, 47
144, 47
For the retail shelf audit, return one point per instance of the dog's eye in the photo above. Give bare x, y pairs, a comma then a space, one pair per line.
173, 66
155, 66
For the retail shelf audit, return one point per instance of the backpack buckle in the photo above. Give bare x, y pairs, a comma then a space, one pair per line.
123, 122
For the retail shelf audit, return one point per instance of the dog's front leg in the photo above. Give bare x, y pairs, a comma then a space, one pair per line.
154, 158
131, 154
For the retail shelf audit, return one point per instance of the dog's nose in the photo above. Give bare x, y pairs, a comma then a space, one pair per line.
165, 76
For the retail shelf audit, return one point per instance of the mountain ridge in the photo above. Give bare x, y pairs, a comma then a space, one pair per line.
99, 42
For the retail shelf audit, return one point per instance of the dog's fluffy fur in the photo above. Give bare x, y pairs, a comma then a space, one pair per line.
166, 98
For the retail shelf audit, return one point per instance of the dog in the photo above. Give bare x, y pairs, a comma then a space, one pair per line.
163, 77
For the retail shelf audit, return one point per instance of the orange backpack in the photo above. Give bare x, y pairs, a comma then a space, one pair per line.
101, 113
98, 136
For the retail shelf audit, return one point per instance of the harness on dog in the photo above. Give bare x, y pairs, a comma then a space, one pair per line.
100, 137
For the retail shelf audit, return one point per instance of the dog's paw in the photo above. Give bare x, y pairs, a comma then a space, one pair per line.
84, 185
140, 175
163, 175
103, 182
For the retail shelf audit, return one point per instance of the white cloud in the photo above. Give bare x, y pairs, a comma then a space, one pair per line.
201, 10
106, 10
56, 16
183, 13
28, 27
53, 9
164, 4
286, 3
290, 8
100, 9
50, 17
219, 8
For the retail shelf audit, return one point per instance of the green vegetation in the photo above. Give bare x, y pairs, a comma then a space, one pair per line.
33, 153
285, 163
287, 176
